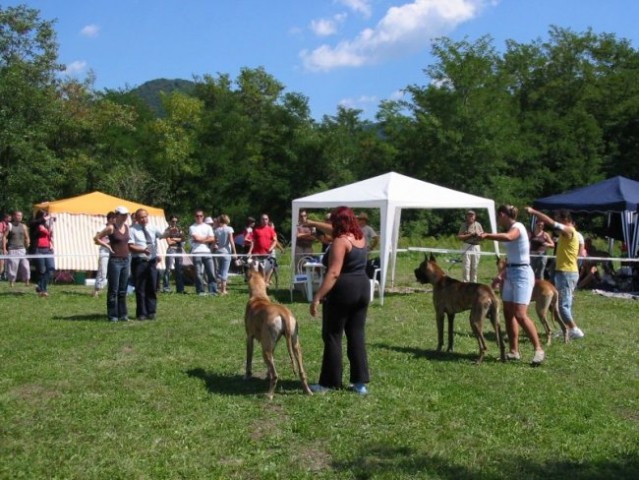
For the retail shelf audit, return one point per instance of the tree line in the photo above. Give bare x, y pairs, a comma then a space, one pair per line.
530, 120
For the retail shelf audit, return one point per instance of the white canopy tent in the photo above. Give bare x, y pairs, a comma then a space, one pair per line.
391, 193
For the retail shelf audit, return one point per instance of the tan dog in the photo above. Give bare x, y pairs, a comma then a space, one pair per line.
544, 295
451, 296
266, 322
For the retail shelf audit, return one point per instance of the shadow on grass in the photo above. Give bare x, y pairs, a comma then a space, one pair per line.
83, 317
430, 354
232, 384
375, 460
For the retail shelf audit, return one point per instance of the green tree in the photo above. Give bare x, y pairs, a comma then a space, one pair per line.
28, 107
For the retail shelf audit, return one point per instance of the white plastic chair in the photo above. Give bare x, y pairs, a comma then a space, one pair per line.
375, 284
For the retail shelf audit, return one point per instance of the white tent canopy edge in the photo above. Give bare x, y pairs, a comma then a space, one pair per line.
390, 193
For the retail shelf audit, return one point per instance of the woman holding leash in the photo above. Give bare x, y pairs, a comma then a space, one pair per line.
519, 282
345, 293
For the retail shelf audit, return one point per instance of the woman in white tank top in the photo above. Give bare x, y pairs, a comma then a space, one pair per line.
518, 283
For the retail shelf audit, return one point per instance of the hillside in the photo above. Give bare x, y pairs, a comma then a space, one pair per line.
150, 91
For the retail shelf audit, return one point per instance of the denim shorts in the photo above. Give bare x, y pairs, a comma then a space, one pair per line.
518, 285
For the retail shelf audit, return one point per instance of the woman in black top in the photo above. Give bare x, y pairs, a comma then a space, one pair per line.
345, 293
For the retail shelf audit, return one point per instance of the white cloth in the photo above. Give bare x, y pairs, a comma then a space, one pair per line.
518, 251
202, 230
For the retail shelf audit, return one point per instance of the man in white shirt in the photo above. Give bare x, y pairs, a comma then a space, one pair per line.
143, 244
202, 237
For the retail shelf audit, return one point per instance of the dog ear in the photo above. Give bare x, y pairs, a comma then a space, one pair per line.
432, 258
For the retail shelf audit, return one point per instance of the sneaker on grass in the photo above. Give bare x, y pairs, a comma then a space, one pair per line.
576, 333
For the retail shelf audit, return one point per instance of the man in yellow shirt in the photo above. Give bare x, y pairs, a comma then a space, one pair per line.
566, 270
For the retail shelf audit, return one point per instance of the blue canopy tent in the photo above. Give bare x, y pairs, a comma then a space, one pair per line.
612, 196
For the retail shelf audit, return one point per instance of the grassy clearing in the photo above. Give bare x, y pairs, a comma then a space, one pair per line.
83, 398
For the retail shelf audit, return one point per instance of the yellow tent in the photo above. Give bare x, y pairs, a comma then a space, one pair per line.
78, 219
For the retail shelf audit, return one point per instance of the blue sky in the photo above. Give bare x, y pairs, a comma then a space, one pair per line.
354, 53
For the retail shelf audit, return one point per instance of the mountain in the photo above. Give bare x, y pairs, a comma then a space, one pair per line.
150, 91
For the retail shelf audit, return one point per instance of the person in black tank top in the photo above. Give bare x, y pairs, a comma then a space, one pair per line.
345, 293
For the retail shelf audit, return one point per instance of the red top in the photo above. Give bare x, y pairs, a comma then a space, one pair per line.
263, 237
44, 237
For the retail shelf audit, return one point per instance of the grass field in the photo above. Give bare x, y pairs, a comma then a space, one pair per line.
83, 398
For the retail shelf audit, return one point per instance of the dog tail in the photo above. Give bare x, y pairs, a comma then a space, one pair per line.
493, 314
554, 308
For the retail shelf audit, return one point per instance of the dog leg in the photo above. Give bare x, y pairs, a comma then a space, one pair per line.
493, 313
440, 330
249, 357
451, 332
272, 373
476, 327
297, 352
541, 306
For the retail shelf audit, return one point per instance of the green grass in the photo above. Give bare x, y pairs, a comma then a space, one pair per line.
84, 398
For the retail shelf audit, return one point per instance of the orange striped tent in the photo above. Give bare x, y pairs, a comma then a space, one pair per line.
79, 218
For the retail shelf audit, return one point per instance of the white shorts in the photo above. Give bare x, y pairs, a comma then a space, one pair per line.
518, 285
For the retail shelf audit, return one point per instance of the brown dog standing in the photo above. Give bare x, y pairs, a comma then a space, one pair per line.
546, 299
451, 296
266, 322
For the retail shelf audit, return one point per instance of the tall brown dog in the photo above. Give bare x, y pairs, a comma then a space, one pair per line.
451, 296
544, 295
267, 322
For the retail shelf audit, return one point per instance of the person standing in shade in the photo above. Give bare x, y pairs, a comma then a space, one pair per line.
469, 234
4, 228
16, 242
345, 293
143, 244
566, 269
175, 241
305, 237
202, 237
518, 282
370, 235
539, 242
42, 234
118, 269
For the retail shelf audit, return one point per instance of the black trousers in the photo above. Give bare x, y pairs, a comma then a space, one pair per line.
344, 311
145, 273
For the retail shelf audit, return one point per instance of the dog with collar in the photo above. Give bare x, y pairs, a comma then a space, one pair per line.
266, 322
452, 296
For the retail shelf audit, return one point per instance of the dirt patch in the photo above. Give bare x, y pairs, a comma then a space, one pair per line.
33, 393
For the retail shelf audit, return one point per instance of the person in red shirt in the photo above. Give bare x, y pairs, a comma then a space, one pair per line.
264, 238
42, 234
263, 244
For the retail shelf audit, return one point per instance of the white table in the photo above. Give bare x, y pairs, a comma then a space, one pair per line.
314, 272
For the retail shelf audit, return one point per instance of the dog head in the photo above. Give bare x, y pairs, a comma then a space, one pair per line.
254, 272
428, 271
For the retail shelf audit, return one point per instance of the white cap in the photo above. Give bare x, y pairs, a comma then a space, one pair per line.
122, 210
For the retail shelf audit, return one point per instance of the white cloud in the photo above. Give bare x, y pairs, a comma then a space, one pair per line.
75, 67
360, 6
404, 29
360, 103
90, 31
327, 26
397, 95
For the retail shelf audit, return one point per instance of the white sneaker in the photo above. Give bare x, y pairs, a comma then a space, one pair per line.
576, 333
538, 358
513, 356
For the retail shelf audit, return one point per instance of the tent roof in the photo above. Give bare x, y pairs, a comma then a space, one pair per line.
392, 187
616, 194
95, 203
